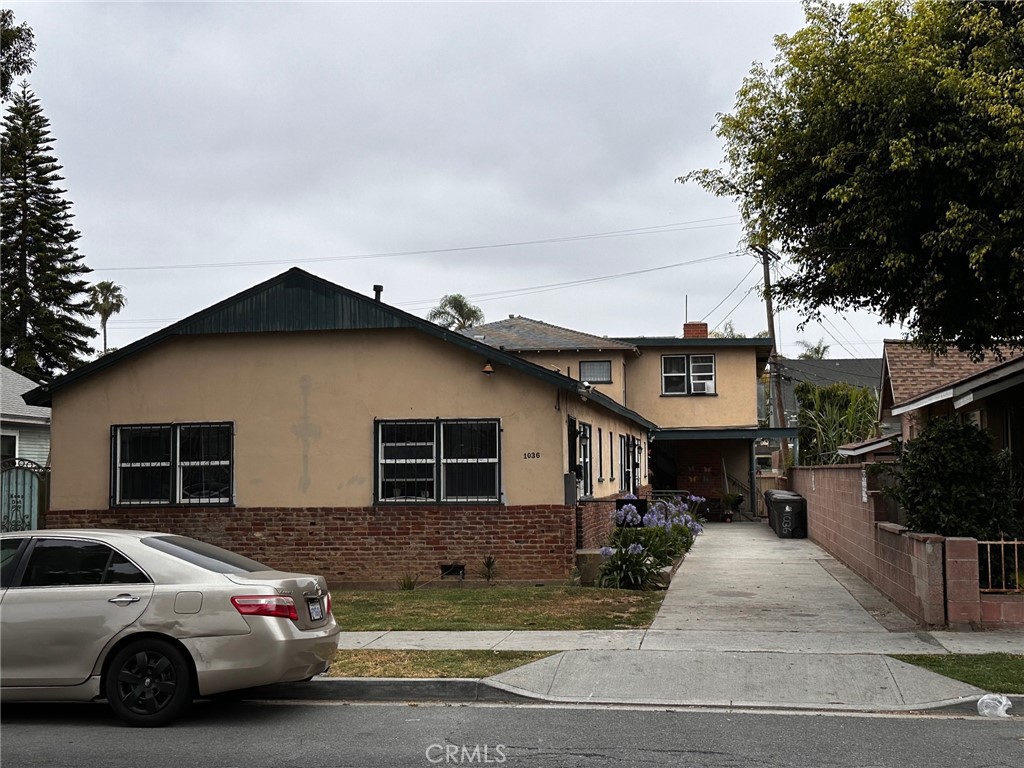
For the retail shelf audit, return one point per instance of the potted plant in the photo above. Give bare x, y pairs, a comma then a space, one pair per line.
731, 503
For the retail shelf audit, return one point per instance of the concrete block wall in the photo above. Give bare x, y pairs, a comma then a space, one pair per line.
369, 546
906, 567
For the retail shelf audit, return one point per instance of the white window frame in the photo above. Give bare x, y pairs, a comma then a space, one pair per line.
17, 440
695, 382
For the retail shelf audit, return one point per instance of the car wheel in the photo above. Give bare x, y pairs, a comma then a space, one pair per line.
149, 683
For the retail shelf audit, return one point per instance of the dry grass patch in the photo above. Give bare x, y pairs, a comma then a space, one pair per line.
493, 608
472, 664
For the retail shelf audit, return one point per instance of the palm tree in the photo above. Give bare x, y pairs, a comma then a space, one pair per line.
106, 299
817, 351
456, 312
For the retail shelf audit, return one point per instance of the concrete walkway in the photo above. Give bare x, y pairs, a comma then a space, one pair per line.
749, 620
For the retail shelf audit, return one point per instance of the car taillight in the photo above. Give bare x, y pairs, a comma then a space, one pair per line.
266, 605
328, 602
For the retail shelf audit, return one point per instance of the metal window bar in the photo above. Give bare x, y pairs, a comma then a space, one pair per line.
1001, 566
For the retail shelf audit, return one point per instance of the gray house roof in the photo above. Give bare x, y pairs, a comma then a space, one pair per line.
12, 408
523, 334
299, 301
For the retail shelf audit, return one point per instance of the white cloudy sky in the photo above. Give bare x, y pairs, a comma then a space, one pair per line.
247, 138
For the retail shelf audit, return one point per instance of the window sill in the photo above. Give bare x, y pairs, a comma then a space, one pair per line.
689, 394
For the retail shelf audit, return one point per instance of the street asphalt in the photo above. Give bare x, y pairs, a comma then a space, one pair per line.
749, 621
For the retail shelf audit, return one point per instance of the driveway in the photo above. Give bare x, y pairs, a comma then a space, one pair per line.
741, 576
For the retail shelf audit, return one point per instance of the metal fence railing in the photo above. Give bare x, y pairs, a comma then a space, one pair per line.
1001, 566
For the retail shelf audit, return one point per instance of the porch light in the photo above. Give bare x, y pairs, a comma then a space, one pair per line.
488, 369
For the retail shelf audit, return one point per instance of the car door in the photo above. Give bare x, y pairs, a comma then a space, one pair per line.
66, 601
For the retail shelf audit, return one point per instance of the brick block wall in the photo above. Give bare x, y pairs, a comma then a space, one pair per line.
1002, 611
594, 522
906, 567
366, 545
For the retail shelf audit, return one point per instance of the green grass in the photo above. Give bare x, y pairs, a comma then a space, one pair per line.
537, 608
995, 672
430, 663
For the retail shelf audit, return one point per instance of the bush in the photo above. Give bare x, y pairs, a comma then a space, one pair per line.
951, 483
637, 554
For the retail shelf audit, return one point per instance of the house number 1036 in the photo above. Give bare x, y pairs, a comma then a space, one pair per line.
531, 455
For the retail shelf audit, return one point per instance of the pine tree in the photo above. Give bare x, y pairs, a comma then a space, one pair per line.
45, 298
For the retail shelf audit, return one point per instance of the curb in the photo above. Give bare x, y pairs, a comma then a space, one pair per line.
451, 689
470, 690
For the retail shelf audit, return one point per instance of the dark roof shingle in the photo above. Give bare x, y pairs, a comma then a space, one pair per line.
521, 334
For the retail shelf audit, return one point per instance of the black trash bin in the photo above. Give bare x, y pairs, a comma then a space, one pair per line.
787, 514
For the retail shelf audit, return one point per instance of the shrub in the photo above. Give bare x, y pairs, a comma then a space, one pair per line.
629, 567
950, 482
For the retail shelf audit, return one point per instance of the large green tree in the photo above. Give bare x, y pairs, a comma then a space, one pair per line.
16, 46
107, 299
45, 299
883, 152
455, 311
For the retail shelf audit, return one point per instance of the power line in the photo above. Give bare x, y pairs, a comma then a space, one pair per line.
730, 293
654, 230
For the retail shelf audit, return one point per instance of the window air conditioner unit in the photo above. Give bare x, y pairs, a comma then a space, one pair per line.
700, 387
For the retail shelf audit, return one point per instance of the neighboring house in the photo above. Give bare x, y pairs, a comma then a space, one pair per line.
918, 385
700, 392
24, 429
315, 428
859, 372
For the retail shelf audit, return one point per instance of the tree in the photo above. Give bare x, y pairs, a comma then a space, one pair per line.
817, 351
44, 295
456, 312
729, 332
16, 47
883, 151
106, 299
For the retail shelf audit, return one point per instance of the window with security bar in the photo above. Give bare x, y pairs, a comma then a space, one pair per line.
446, 460
186, 464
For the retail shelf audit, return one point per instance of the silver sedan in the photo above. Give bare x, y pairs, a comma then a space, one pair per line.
149, 621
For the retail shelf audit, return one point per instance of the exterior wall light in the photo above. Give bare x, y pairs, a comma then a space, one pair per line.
488, 369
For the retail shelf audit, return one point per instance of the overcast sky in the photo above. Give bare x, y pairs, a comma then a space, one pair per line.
342, 137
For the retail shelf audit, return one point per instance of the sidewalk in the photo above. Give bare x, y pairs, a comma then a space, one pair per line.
750, 620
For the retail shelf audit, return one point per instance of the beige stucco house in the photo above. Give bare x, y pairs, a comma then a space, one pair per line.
312, 427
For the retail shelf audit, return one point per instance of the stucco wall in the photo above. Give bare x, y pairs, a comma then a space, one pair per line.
303, 406
568, 363
734, 405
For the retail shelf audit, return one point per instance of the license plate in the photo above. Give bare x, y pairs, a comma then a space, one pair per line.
316, 610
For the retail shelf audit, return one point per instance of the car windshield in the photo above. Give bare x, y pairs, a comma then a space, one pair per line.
204, 555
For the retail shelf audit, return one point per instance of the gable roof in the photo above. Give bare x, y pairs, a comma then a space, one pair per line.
12, 408
523, 334
297, 300
908, 371
976, 386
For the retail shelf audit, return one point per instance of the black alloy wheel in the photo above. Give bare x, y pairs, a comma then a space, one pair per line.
149, 683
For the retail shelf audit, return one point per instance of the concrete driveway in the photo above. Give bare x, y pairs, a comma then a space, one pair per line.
742, 577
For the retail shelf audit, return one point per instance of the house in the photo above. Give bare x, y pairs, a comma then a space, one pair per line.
24, 429
315, 428
700, 392
918, 385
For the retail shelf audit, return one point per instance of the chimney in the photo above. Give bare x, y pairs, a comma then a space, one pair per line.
379, 289
695, 330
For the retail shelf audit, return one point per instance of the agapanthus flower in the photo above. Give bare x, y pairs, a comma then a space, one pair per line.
635, 548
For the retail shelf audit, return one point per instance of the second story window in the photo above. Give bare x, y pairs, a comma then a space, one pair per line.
596, 371
688, 375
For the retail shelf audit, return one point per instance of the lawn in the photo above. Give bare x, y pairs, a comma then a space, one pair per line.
472, 664
461, 609
995, 672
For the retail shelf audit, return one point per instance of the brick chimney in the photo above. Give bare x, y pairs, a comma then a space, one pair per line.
695, 330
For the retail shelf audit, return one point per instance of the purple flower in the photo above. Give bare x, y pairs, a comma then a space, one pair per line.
635, 549
607, 551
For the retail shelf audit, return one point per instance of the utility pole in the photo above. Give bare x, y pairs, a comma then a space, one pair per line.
776, 370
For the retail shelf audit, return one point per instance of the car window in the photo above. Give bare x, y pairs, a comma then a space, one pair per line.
207, 556
8, 559
66, 562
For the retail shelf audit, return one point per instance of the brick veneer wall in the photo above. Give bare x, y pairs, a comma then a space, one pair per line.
366, 545
594, 522
906, 567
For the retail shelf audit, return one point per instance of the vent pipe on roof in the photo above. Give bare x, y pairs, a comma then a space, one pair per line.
377, 291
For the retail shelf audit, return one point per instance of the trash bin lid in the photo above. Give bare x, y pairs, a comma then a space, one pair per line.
785, 496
